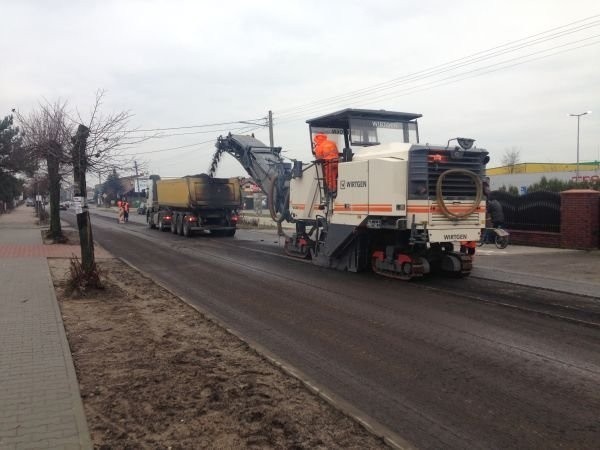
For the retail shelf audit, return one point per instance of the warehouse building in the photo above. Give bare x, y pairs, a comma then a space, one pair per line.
524, 175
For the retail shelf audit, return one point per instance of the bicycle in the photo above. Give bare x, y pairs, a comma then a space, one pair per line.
500, 237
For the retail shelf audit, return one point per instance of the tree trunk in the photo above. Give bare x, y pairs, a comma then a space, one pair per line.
54, 188
83, 219
86, 241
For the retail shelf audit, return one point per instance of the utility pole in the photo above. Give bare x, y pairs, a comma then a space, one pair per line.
271, 143
35, 197
577, 171
137, 184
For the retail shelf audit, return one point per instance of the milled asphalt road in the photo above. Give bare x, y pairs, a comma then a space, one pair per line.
439, 368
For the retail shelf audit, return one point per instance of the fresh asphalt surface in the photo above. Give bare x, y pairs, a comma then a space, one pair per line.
443, 363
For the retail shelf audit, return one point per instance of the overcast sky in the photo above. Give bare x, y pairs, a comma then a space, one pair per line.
177, 63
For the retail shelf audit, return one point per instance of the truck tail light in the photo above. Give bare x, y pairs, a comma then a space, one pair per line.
234, 218
192, 219
167, 217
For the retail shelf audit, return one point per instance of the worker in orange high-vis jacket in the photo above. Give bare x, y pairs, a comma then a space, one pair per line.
125, 205
327, 151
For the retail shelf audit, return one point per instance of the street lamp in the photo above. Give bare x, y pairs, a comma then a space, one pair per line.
578, 116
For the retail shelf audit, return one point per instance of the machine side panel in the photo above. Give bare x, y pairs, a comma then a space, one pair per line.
351, 205
389, 150
387, 197
305, 194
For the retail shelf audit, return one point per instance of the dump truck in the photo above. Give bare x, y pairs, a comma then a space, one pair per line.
194, 204
373, 197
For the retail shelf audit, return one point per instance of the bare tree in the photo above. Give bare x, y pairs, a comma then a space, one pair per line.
46, 136
511, 158
108, 138
97, 146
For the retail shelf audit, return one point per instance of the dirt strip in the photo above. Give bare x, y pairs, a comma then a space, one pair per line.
155, 373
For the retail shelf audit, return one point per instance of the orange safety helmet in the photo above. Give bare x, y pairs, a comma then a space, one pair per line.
320, 137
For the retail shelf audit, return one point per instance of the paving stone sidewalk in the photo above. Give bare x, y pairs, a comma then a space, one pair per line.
40, 404
573, 271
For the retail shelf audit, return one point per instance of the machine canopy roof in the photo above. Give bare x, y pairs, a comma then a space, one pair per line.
341, 119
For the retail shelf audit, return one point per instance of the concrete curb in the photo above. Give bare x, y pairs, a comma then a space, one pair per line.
368, 423
85, 439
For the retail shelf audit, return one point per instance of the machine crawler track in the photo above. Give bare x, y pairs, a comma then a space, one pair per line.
466, 264
404, 270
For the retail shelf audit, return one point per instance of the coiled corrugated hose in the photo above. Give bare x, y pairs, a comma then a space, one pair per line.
440, 197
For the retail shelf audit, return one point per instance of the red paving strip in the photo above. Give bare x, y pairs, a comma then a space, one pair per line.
47, 251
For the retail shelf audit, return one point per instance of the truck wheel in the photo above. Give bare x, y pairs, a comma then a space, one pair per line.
180, 225
187, 232
174, 224
150, 223
161, 225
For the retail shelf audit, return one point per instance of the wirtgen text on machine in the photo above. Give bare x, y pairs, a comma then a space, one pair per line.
353, 184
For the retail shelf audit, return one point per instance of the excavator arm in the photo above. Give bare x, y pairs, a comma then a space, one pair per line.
266, 167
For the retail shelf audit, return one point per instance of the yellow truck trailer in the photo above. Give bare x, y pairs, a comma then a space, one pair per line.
191, 204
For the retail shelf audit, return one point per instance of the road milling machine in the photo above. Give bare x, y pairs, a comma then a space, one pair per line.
373, 196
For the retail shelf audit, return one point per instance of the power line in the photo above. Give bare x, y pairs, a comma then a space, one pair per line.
171, 163
419, 88
436, 83
241, 129
160, 136
470, 59
451, 65
385, 89
262, 123
166, 149
198, 126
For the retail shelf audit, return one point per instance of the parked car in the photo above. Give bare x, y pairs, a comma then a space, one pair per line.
64, 206
142, 208
29, 202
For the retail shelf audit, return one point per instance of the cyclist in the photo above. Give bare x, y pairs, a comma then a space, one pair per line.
494, 212
494, 209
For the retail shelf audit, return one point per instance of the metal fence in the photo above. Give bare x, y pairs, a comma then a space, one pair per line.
536, 211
